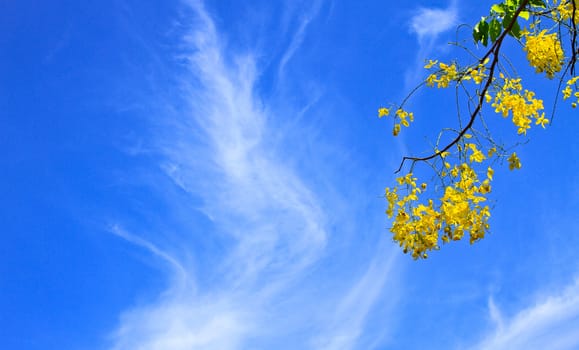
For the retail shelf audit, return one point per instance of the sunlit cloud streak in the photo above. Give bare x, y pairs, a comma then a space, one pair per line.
346, 326
550, 323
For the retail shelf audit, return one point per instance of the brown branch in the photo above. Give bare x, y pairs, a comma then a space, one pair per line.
494, 50
573, 39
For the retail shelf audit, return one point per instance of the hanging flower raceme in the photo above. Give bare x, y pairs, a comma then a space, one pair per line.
564, 10
544, 52
445, 74
401, 117
521, 104
568, 91
420, 224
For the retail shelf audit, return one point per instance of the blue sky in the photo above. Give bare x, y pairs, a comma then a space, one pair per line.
209, 175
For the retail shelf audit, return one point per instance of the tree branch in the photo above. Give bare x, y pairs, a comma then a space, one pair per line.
573, 39
494, 50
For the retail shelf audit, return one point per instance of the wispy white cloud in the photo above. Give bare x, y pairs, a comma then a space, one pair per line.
428, 24
298, 36
550, 323
346, 324
270, 223
495, 314
179, 322
179, 271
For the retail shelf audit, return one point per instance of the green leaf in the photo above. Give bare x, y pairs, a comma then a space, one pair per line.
476, 35
498, 8
476, 32
538, 3
516, 30
481, 32
524, 14
494, 30
508, 19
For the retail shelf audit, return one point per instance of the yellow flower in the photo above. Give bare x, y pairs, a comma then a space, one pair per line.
488, 97
514, 162
383, 112
430, 64
490, 173
396, 130
567, 92
444, 76
454, 172
542, 120
485, 187
448, 74
476, 156
405, 119
431, 80
478, 75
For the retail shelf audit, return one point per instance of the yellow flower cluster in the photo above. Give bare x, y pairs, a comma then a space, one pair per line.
477, 74
564, 10
404, 117
544, 52
448, 73
521, 104
417, 226
444, 76
568, 91
477, 156
514, 162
